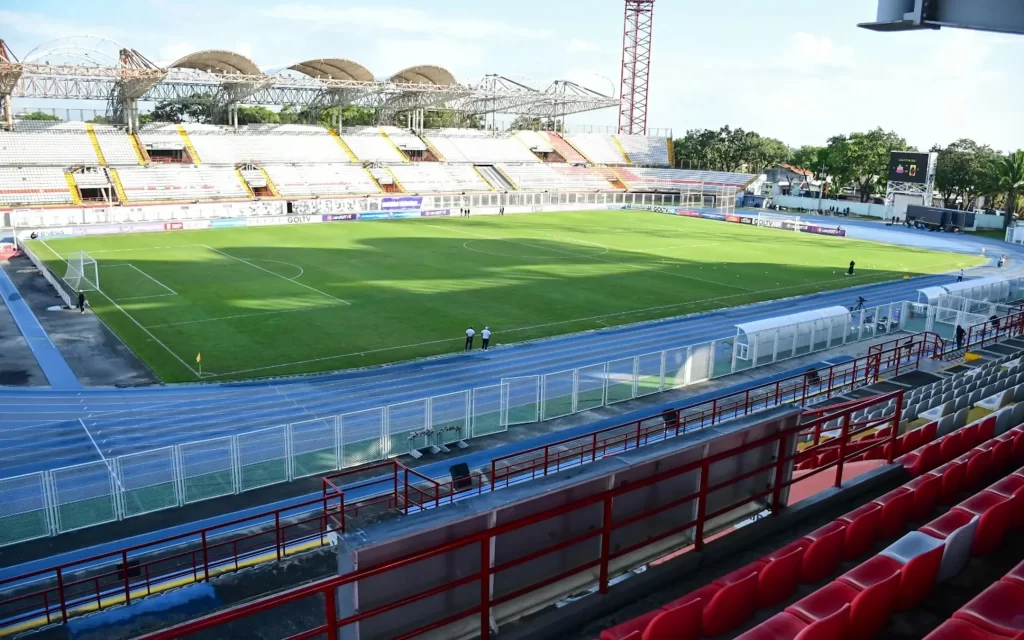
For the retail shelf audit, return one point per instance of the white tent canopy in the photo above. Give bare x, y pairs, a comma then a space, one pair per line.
991, 289
778, 322
786, 336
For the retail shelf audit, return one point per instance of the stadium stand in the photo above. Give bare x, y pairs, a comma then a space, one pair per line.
563, 148
47, 143
468, 145
644, 150
283, 144
33, 186
860, 602
321, 180
535, 141
438, 178
644, 179
180, 182
554, 177
598, 148
369, 145
408, 143
115, 145
160, 139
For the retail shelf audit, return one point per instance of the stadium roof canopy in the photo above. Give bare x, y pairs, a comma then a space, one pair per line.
424, 74
334, 69
217, 61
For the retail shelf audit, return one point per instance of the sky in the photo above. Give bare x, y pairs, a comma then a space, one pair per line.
797, 70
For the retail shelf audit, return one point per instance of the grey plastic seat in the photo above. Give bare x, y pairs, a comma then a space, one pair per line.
1017, 413
937, 411
946, 426
1018, 393
961, 402
973, 398
960, 419
996, 401
1004, 420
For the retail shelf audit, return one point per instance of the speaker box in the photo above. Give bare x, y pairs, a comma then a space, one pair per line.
460, 476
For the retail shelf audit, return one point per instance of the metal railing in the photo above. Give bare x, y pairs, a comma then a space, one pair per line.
487, 575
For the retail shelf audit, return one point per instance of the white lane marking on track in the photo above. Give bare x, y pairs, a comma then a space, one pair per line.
132, 318
110, 467
594, 257
256, 266
244, 315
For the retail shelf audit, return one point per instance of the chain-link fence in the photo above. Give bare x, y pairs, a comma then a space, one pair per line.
71, 498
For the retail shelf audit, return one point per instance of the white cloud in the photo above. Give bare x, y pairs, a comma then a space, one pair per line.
39, 26
460, 58
174, 51
402, 19
575, 45
805, 50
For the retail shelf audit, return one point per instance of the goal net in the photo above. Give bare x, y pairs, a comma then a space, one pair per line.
83, 272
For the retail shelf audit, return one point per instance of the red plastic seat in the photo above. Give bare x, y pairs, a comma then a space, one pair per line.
1016, 575
896, 506
680, 623
870, 609
1002, 455
785, 626
946, 524
873, 571
994, 513
924, 459
823, 552
733, 605
927, 489
921, 558
987, 428
626, 629
779, 578
979, 467
912, 441
951, 446
1018, 448
970, 436
998, 609
954, 474
959, 630
861, 529
828, 456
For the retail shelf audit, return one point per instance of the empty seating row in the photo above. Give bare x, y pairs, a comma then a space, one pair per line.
554, 177
535, 141
646, 179
860, 603
644, 150
433, 177
369, 145
180, 182
996, 613
321, 180
33, 185
116, 146
404, 140
597, 148
229, 148
61, 147
461, 147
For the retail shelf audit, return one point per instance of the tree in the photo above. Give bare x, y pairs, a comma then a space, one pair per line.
447, 118
288, 115
200, 108
862, 159
807, 157
964, 169
532, 123
101, 120
39, 115
1008, 178
728, 149
257, 115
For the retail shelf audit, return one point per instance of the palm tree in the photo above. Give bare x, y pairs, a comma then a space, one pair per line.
1009, 179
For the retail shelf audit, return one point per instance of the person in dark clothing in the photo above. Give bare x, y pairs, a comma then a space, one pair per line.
852, 265
469, 339
960, 335
81, 302
813, 379
995, 323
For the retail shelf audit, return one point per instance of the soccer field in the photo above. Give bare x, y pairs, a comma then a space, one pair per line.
268, 301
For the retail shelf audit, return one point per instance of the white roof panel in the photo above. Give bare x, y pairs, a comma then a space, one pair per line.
778, 322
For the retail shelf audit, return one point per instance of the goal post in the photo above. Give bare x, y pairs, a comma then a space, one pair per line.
83, 273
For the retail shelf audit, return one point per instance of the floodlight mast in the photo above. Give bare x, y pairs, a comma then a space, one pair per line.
636, 66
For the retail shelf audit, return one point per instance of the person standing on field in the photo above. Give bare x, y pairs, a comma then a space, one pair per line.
852, 265
485, 337
960, 278
469, 339
81, 302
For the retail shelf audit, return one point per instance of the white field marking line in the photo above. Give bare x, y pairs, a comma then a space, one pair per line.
585, 257
178, 246
256, 266
551, 324
244, 315
102, 457
130, 317
301, 270
159, 295
683, 246
128, 264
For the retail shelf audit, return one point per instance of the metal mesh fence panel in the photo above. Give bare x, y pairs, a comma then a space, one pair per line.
522, 400
590, 383
149, 481
407, 427
314, 447
207, 469
675, 367
488, 411
621, 380
649, 377
362, 437
262, 458
23, 512
449, 417
558, 394
700, 362
83, 495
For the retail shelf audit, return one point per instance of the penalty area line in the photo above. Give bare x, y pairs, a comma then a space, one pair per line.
278, 275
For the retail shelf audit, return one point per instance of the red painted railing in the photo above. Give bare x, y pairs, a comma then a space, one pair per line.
324, 592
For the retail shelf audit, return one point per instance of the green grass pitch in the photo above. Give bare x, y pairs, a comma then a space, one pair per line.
270, 301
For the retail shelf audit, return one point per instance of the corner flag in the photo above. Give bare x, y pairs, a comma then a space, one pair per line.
199, 357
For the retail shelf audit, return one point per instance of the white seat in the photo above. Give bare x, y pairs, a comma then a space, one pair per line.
937, 412
33, 186
321, 180
957, 551
995, 401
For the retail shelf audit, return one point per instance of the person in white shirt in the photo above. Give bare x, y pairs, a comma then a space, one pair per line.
469, 339
485, 337
960, 278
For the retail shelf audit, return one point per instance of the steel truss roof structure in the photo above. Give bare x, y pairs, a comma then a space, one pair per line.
208, 73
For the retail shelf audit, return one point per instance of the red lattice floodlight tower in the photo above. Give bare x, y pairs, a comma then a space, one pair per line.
636, 66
